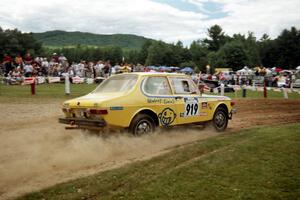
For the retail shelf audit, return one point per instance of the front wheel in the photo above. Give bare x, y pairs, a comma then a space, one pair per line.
142, 124
220, 119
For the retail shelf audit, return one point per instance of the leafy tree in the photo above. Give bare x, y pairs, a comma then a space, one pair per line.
289, 48
281, 52
132, 56
250, 46
13, 42
215, 60
144, 51
216, 39
199, 52
268, 51
159, 53
232, 54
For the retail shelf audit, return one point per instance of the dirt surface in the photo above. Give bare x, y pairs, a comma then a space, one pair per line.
37, 152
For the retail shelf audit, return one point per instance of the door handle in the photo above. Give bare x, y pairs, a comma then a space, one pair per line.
178, 97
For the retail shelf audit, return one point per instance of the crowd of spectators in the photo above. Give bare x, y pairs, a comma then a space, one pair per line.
58, 65
15, 69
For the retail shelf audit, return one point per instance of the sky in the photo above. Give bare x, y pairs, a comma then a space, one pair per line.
167, 20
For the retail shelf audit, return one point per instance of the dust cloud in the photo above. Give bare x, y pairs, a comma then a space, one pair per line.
39, 153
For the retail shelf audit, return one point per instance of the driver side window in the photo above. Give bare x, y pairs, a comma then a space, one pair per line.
183, 86
157, 86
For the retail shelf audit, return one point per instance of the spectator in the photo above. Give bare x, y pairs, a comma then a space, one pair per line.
19, 60
88, 69
28, 59
100, 67
28, 69
107, 69
117, 68
7, 63
54, 58
80, 69
45, 66
62, 59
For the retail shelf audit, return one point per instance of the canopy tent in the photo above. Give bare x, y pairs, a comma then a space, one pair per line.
245, 71
175, 68
165, 69
152, 67
187, 70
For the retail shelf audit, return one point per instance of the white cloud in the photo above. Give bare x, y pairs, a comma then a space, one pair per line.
147, 18
141, 17
258, 16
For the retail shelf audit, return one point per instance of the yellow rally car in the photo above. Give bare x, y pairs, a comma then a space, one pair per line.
142, 101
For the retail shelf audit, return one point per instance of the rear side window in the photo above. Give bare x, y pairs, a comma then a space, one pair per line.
157, 86
183, 86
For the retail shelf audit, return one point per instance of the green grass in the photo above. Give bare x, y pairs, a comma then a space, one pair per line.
17, 93
57, 91
260, 95
260, 163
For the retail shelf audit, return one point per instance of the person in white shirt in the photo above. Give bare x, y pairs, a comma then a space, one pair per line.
62, 59
28, 69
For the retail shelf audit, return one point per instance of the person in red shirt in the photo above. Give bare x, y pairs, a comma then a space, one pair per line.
28, 59
7, 63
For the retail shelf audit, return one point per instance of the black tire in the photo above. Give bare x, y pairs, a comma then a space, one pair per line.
142, 124
220, 120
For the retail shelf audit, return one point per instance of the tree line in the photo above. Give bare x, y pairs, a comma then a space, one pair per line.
217, 50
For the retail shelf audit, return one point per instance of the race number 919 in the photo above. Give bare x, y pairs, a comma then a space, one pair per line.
191, 107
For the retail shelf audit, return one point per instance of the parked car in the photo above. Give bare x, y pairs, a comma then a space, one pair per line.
140, 102
282, 82
258, 80
216, 84
296, 84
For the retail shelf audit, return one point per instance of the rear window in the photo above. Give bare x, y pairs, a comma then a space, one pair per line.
119, 83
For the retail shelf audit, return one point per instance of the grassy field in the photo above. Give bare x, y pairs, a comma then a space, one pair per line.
45, 90
57, 91
260, 163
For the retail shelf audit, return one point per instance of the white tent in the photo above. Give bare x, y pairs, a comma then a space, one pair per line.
268, 72
245, 71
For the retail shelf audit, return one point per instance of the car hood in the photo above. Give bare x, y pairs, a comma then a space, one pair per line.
92, 99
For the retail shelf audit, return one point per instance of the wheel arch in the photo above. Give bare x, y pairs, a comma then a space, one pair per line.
149, 112
224, 106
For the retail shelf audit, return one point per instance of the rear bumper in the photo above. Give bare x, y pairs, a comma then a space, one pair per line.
83, 122
233, 111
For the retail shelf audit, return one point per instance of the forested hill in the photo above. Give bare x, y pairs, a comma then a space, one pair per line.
63, 38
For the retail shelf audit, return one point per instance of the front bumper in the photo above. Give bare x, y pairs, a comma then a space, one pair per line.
233, 111
82, 122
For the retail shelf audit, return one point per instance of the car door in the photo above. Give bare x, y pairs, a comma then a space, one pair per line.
160, 99
190, 106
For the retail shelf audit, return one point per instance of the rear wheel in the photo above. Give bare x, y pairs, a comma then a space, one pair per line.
220, 120
142, 124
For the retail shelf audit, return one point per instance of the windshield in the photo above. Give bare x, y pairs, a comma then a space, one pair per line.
119, 83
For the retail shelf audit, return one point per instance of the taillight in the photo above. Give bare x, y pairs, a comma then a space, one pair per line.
232, 103
98, 112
